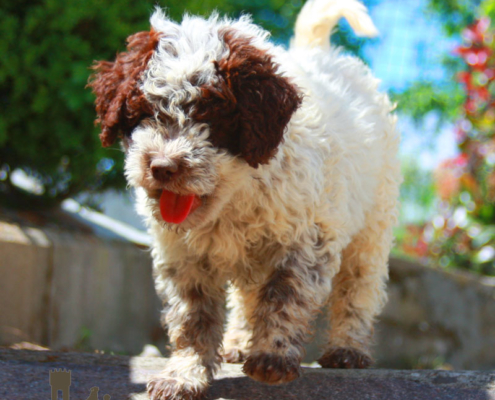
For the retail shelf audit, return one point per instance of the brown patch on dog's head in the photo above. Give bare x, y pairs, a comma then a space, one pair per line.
250, 106
120, 104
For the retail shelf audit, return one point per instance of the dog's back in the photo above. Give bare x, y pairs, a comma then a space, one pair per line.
359, 139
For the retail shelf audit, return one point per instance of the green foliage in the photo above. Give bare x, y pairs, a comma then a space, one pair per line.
84, 341
488, 9
418, 201
424, 97
456, 14
46, 114
417, 190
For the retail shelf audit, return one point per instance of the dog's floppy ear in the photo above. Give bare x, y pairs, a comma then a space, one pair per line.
250, 105
120, 104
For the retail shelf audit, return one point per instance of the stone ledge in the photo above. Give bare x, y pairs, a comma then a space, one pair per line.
24, 375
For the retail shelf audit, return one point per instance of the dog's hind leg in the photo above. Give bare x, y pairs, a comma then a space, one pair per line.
358, 293
238, 332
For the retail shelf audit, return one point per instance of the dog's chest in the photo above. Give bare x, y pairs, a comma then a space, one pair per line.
238, 248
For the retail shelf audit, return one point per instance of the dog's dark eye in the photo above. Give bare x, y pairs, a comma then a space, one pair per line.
128, 131
127, 134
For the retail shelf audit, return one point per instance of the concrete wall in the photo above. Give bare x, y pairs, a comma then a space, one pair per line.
24, 268
434, 318
73, 290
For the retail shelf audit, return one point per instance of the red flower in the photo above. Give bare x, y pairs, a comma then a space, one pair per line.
476, 57
470, 106
475, 33
460, 135
461, 160
466, 78
448, 175
482, 93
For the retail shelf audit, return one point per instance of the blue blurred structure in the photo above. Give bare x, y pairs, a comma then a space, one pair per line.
411, 44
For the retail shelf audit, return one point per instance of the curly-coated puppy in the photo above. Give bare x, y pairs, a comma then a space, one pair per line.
275, 170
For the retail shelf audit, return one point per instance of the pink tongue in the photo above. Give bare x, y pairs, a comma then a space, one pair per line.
174, 207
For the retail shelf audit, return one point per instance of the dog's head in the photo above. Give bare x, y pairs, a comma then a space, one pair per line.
198, 106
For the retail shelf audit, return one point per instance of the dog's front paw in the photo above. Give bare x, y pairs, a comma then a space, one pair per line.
271, 368
340, 357
167, 388
233, 356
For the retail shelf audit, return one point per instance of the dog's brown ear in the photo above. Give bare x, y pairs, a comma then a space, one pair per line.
250, 105
120, 104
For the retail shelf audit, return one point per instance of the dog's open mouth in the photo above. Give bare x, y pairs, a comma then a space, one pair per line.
175, 208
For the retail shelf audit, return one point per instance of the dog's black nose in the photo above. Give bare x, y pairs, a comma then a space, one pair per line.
164, 170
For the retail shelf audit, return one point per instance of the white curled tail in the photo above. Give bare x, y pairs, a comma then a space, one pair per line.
318, 17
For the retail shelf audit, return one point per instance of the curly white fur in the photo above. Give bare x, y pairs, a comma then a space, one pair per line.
318, 215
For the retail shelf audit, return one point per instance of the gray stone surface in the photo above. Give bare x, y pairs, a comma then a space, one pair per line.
106, 288
24, 375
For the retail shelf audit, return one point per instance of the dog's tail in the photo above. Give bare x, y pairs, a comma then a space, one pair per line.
318, 17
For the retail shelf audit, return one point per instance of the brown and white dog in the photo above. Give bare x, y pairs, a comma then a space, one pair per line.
273, 171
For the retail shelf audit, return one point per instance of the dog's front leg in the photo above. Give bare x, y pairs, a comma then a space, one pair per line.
194, 318
286, 306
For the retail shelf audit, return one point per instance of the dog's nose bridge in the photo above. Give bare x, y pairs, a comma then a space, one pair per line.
164, 169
